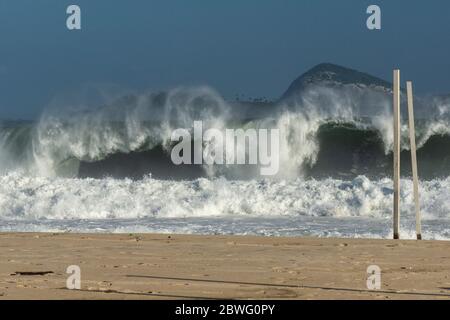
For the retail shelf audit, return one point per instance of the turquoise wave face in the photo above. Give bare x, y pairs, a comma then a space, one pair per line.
345, 150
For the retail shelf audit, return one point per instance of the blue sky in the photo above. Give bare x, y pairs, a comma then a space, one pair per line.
252, 47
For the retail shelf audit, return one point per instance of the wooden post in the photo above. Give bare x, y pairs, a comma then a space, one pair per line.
396, 116
412, 139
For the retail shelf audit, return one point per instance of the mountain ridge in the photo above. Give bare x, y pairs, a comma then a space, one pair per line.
333, 75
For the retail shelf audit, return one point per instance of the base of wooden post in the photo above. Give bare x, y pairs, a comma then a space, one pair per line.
396, 237
419, 237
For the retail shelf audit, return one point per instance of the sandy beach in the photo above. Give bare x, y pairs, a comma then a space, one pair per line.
158, 266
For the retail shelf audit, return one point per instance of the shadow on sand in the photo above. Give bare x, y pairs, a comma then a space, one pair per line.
416, 293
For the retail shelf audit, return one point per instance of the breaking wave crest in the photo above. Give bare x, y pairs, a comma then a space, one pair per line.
325, 132
109, 168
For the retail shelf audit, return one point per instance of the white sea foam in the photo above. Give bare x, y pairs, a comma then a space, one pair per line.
358, 208
108, 201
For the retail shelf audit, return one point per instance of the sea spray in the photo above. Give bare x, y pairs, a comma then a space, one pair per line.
66, 140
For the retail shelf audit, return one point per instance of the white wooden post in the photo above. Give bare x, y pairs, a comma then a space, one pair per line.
396, 116
412, 139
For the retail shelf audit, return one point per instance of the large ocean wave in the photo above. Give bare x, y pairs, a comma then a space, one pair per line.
342, 133
109, 168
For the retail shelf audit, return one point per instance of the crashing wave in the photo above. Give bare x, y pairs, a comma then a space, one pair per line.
343, 131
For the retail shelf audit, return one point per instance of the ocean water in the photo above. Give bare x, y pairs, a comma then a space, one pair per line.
109, 170
329, 207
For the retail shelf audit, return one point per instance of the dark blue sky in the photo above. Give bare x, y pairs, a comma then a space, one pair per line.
254, 47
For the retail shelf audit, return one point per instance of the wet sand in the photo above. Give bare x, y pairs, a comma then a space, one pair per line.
155, 266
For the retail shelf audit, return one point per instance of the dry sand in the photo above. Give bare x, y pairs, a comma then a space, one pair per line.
154, 266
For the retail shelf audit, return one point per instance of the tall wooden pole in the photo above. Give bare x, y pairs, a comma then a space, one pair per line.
412, 139
396, 104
